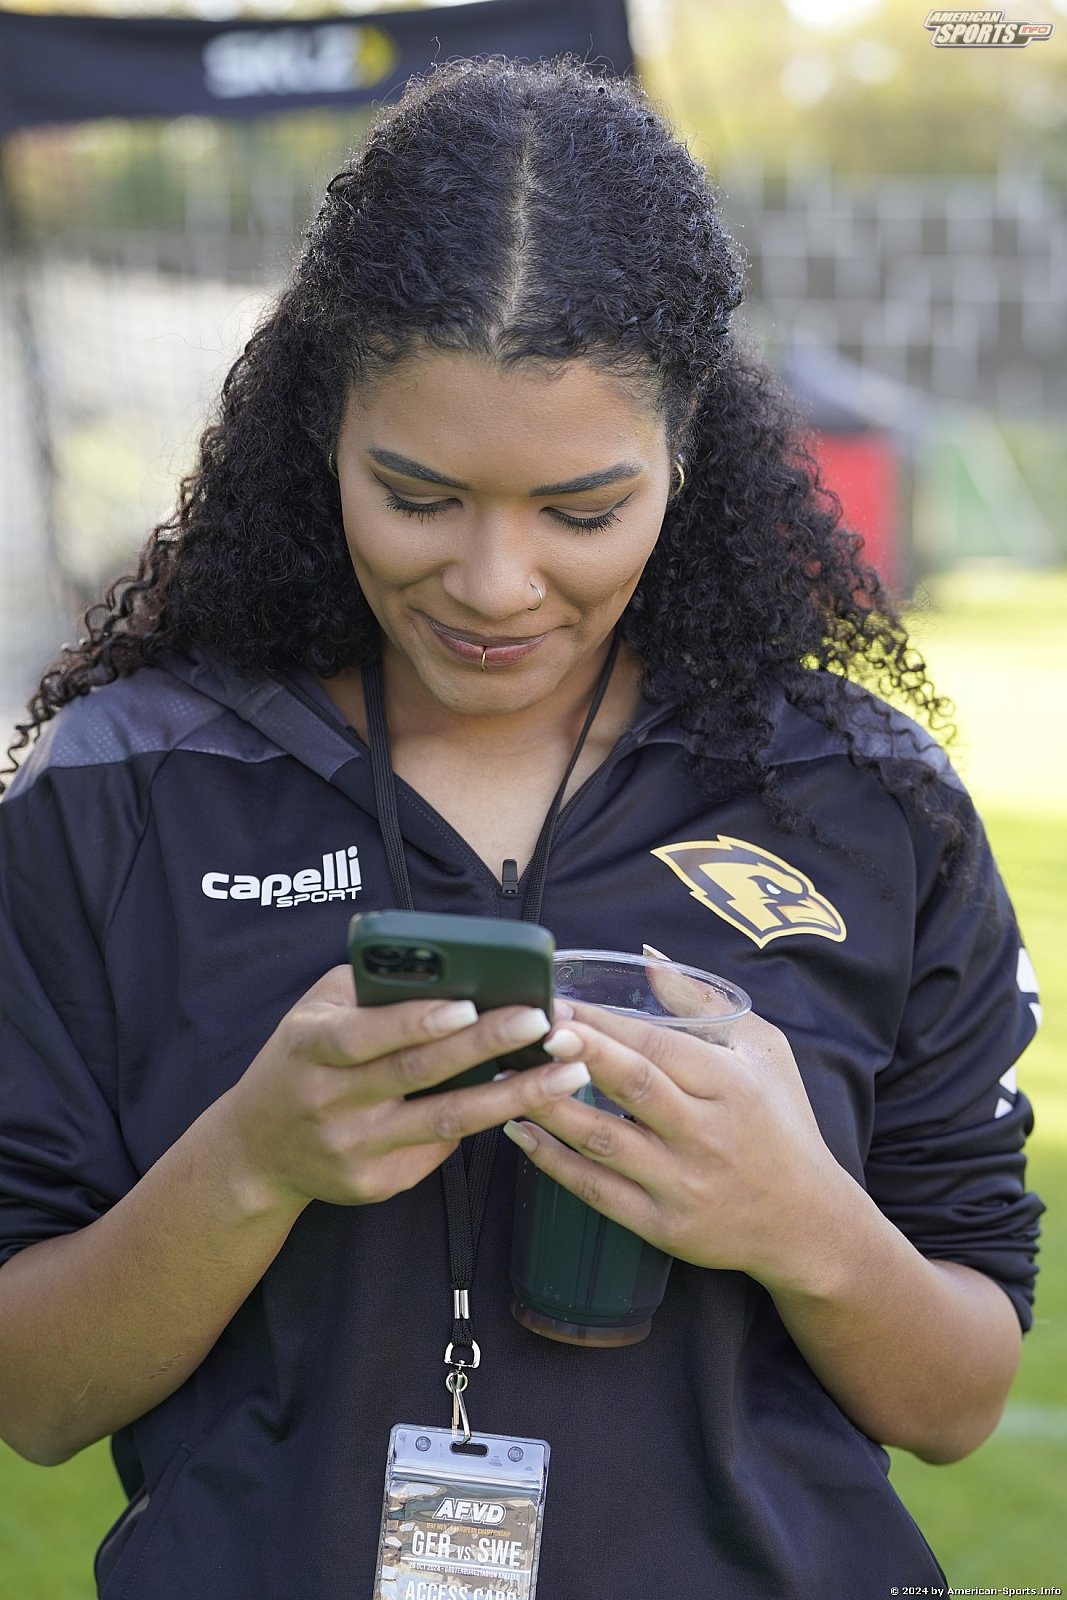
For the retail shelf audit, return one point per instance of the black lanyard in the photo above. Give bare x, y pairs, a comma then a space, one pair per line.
466, 1191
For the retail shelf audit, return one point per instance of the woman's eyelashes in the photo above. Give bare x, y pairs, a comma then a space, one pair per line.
412, 508
590, 524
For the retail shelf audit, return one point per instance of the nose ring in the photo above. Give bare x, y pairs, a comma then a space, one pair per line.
540, 597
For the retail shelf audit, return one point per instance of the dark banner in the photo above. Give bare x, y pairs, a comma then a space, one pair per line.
69, 69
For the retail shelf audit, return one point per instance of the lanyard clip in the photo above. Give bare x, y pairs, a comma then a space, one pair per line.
459, 1366
455, 1383
457, 1361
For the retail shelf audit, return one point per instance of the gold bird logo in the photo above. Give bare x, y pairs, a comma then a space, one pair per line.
753, 890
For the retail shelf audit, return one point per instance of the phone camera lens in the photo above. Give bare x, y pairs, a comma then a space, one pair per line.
422, 963
384, 958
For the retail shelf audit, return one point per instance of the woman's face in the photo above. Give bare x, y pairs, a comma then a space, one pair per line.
463, 487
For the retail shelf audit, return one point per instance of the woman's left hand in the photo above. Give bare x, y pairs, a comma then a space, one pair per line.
724, 1166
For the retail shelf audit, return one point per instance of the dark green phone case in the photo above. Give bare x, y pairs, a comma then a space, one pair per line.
424, 955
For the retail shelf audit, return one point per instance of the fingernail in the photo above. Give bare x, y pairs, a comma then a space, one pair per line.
450, 1018
564, 1042
526, 1027
568, 1079
500, 1076
520, 1137
562, 1010
650, 950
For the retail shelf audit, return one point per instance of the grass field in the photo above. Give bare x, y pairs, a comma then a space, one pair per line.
998, 644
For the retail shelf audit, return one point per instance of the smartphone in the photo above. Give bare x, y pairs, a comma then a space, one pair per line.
422, 955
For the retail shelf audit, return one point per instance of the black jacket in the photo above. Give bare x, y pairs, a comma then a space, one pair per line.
171, 863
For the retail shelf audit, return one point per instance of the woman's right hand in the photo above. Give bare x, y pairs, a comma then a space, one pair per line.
320, 1114
99, 1325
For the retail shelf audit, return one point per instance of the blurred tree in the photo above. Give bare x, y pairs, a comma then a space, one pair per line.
862, 90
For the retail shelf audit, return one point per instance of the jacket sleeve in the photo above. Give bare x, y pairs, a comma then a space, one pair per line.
946, 1163
62, 1158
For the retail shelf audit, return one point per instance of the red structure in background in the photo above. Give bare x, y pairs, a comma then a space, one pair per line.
864, 470
862, 429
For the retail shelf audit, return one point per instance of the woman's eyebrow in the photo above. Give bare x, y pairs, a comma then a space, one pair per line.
591, 480
413, 469
588, 480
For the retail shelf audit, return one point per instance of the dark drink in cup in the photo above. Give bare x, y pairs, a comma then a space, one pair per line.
577, 1276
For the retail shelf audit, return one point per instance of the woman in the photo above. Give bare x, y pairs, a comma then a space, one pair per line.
493, 453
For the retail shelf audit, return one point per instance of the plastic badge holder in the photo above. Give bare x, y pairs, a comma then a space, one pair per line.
461, 1522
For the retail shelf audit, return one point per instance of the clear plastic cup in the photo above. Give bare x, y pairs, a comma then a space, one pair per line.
577, 1276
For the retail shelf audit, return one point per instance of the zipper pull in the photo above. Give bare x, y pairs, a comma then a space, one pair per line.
509, 879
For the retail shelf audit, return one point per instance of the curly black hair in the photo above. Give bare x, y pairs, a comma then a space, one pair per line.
522, 213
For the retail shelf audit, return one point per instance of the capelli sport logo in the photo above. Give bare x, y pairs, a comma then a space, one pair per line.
983, 30
753, 890
336, 878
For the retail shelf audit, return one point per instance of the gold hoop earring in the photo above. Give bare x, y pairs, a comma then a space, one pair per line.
677, 466
540, 597
331, 462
